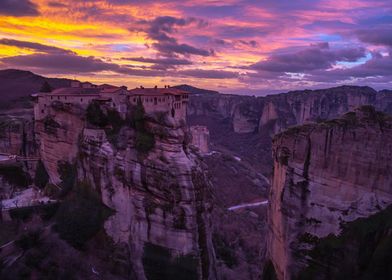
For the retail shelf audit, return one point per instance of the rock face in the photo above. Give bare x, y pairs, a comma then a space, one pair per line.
251, 122
17, 136
200, 138
325, 175
159, 197
274, 113
58, 137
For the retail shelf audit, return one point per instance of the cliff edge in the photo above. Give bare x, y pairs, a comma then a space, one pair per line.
326, 175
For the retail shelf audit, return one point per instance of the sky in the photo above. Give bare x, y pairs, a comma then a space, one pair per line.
235, 46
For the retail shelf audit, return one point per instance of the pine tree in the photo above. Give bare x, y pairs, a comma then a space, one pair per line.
46, 87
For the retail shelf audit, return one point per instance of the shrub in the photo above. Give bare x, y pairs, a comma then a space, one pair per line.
81, 216
95, 115
67, 173
46, 87
28, 240
145, 141
50, 125
160, 265
223, 251
41, 177
15, 175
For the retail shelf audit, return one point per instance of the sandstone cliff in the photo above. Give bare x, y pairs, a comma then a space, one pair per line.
326, 175
251, 122
159, 193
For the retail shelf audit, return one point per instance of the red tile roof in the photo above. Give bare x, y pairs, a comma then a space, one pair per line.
157, 91
74, 90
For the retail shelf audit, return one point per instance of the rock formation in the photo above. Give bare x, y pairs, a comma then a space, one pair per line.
326, 175
200, 138
159, 193
252, 121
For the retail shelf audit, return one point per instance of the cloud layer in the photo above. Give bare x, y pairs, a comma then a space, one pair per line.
233, 46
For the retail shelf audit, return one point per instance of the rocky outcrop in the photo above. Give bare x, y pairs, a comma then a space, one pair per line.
58, 137
17, 136
326, 175
273, 113
159, 195
251, 122
242, 111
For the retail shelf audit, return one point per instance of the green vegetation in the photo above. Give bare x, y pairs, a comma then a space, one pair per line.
180, 218
41, 177
144, 140
8, 231
50, 125
45, 211
95, 115
223, 251
81, 215
15, 175
269, 272
159, 264
106, 118
46, 87
28, 240
68, 174
362, 251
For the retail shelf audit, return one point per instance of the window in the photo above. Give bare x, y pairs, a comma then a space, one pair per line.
81, 99
134, 100
51, 97
155, 101
42, 111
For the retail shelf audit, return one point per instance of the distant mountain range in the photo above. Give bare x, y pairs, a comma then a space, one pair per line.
195, 90
17, 85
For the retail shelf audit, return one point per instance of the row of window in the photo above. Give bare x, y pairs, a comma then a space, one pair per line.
150, 100
177, 105
65, 98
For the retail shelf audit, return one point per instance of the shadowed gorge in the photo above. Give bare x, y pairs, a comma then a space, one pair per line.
206, 140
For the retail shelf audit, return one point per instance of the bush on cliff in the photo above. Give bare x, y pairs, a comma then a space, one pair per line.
106, 118
41, 177
363, 250
95, 115
144, 140
159, 264
15, 175
46, 87
81, 215
68, 174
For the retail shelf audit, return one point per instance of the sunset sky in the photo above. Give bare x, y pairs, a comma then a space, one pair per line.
234, 46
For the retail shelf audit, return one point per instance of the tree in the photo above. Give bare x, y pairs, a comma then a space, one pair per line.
41, 177
46, 87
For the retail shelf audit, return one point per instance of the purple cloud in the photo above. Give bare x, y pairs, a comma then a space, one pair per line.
209, 74
161, 63
314, 57
33, 46
377, 36
161, 29
18, 8
70, 63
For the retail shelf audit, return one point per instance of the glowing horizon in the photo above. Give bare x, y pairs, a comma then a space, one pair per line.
239, 46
